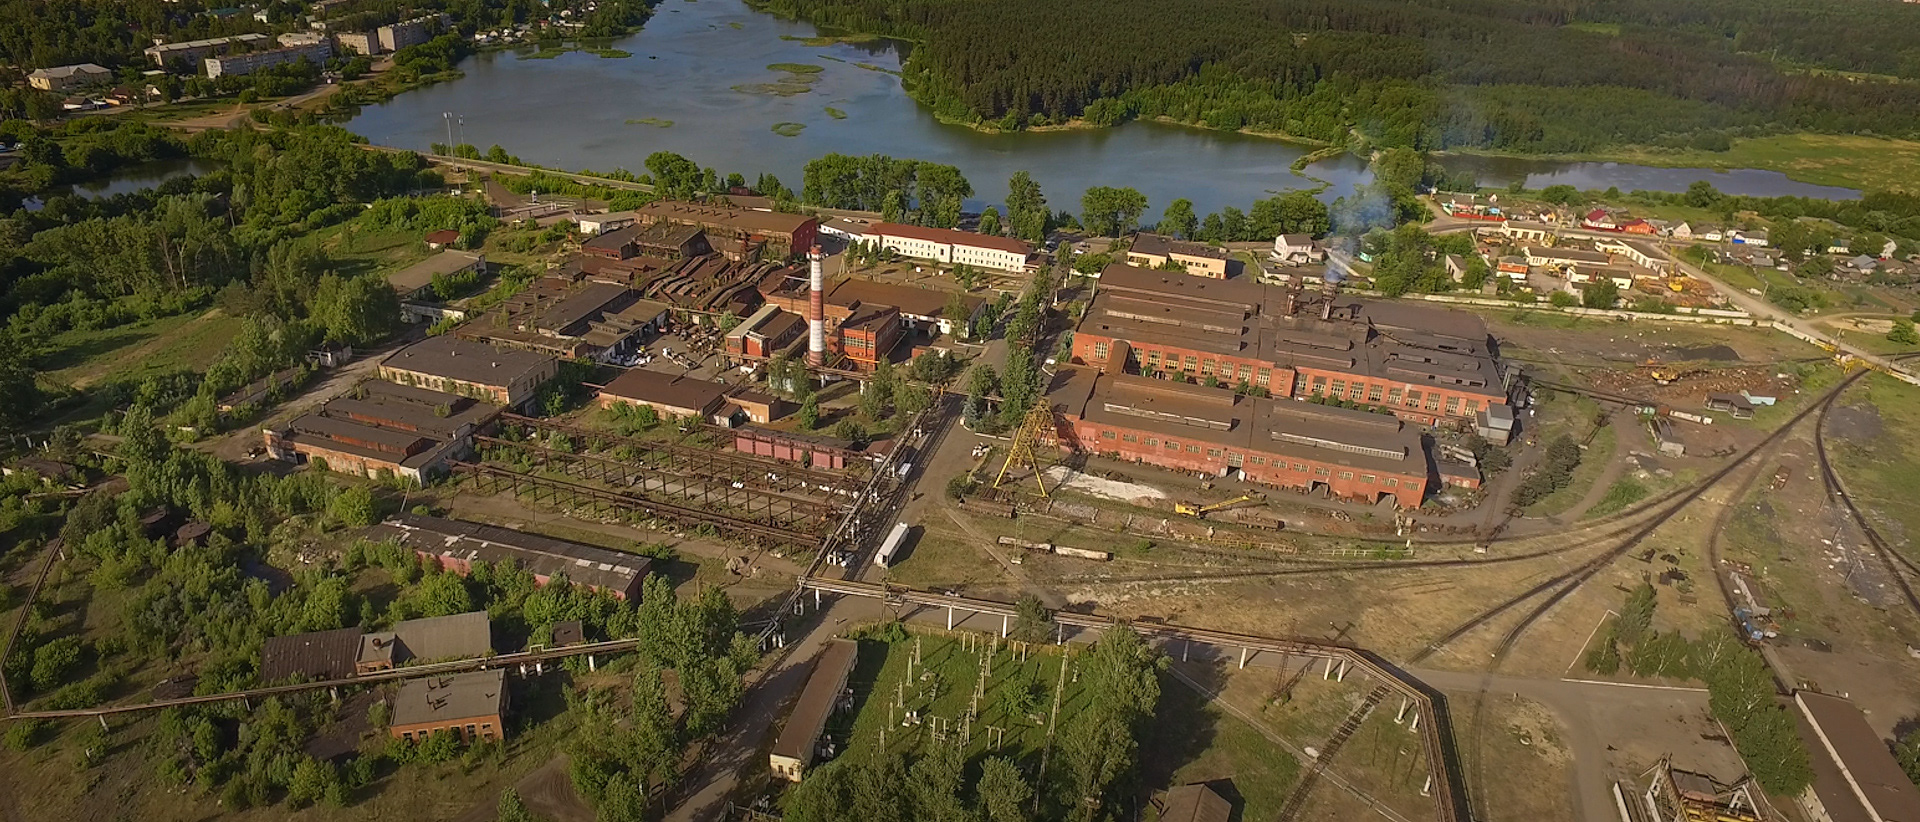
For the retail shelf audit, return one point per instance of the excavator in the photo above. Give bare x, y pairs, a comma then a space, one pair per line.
1198, 511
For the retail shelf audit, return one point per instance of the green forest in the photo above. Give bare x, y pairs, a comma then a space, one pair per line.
1508, 75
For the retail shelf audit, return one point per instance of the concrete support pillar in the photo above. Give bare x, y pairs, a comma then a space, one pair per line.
1328, 673
1003, 626
816, 599
1341, 674
1184, 645
1243, 657
539, 667
1427, 789
1414, 726
591, 665
333, 693
103, 722
1059, 634
1402, 715
949, 617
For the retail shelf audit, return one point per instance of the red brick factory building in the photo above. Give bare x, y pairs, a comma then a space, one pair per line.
1428, 366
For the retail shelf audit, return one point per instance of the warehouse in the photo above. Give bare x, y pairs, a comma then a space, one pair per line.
1198, 259
743, 235
471, 706
946, 245
795, 749
1339, 452
471, 369
460, 636
1426, 365
456, 545
669, 395
384, 428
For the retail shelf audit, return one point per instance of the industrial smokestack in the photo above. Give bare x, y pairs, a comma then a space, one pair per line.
816, 310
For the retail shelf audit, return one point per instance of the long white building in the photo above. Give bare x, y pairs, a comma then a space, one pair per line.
946, 245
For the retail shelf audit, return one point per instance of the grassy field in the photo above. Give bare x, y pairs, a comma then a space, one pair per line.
1193, 739
1019, 696
1574, 415
1881, 472
1866, 163
82, 358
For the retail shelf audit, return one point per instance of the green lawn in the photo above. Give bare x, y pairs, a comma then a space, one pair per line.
190, 341
941, 690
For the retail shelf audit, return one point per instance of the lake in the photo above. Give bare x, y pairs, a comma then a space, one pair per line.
703, 67
131, 179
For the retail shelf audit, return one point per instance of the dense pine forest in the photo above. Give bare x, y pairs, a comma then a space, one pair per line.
1516, 75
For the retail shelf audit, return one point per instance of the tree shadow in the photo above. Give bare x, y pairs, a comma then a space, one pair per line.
1183, 729
74, 355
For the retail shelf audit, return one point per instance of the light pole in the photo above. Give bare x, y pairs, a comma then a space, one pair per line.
448, 117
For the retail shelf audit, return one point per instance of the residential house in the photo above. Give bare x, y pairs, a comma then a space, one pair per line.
1682, 231
1599, 220
1296, 248
1198, 259
1522, 231
1755, 237
63, 78
1638, 227
1456, 266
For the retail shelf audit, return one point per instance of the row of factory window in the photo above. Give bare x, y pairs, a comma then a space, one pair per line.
471, 733
1341, 389
1256, 459
1225, 371
1303, 384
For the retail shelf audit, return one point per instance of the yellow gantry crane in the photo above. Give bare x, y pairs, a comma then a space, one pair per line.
1196, 510
1037, 425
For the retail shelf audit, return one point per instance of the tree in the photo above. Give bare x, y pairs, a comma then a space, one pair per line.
511, 809
354, 507
355, 310
1026, 208
1003, 791
1903, 333
938, 779
1032, 622
990, 221
19, 386
1907, 752
312, 781
1601, 293
674, 175
876, 397
443, 595
1702, 194
1110, 212
1178, 220
622, 801
809, 414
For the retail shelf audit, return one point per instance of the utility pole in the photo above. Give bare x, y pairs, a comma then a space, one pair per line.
448, 117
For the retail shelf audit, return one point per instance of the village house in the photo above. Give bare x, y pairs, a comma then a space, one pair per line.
1296, 249
63, 78
1198, 259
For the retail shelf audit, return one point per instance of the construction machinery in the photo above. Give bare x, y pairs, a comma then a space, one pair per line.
1197, 511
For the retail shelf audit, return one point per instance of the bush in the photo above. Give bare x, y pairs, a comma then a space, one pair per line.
1552, 475
1562, 299
960, 485
25, 733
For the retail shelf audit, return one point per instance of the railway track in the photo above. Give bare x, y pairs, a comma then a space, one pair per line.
1560, 586
1891, 560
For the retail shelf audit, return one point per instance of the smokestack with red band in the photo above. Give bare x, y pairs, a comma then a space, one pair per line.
816, 311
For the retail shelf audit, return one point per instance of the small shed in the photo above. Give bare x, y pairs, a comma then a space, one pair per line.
1664, 437
1734, 404
443, 238
1198, 802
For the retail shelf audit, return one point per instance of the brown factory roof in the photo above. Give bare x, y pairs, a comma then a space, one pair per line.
1195, 803
748, 220
1855, 777
816, 703
613, 240
420, 275
912, 301
449, 699
643, 385
1218, 416
1160, 245
466, 361
460, 636
950, 236
1255, 321
320, 655
541, 555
